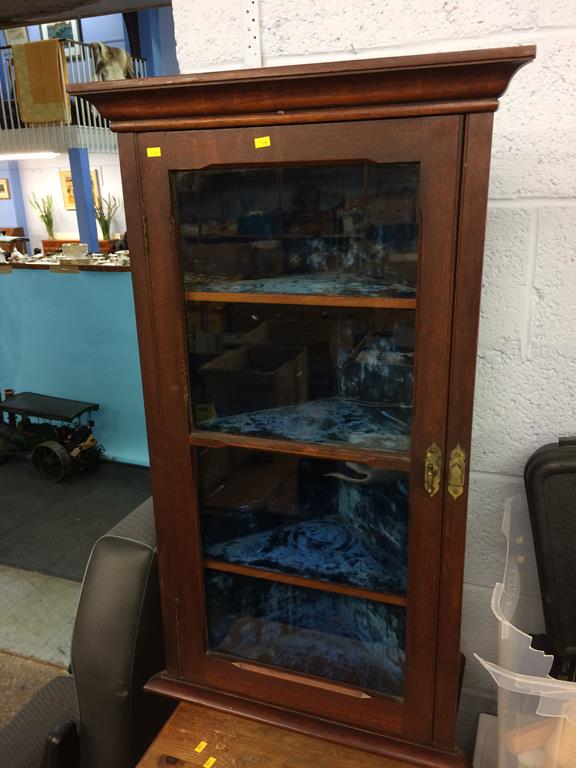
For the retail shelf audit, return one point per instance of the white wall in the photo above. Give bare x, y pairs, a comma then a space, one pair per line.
526, 379
42, 177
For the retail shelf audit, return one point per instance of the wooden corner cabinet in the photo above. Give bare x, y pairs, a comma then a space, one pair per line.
307, 248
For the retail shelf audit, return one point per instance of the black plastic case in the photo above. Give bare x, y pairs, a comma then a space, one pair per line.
550, 479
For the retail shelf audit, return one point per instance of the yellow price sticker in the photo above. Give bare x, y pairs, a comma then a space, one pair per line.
262, 141
210, 762
154, 151
201, 747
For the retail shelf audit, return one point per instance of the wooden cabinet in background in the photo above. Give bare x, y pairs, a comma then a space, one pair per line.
21, 245
309, 247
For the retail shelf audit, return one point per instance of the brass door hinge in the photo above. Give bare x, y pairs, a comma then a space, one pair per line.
432, 467
456, 472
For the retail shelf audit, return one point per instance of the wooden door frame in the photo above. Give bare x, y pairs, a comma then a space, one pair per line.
162, 339
468, 281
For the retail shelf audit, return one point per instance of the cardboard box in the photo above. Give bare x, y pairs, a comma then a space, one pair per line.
254, 378
319, 339
233, 260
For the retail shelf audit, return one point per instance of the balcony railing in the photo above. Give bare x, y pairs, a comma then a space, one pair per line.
87, 128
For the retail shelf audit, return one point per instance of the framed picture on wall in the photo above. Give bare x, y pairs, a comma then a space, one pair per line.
16, 35
64, 30
4, 190
68, 189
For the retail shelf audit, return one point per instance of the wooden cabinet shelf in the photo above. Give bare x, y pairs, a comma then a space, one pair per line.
397, 462
305, 392
230, 238
383, 302
287, 578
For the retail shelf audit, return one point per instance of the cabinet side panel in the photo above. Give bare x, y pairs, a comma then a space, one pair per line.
472, 222
151, 377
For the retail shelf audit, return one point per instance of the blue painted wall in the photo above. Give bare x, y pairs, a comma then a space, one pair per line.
82, 184
75, 336
157, 42
168, 60
150, 43
107, 29
12, 212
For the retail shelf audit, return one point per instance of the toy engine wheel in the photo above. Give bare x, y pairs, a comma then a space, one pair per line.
51, 460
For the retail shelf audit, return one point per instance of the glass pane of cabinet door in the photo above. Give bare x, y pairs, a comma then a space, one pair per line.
306, 565
327, 375
332, 230
315, 281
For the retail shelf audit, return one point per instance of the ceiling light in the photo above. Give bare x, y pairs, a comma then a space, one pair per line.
29, 155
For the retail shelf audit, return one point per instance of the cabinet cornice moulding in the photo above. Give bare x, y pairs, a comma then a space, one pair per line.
431, 84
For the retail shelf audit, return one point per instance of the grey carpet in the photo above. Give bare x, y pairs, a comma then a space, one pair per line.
51, 527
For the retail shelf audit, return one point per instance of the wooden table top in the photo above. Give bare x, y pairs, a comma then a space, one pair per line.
198, 737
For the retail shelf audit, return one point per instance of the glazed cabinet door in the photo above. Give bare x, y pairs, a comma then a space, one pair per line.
300, 283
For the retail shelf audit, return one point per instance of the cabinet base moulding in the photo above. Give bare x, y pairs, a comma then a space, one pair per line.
401, 752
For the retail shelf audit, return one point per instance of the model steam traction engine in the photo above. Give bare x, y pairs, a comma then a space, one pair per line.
58, 440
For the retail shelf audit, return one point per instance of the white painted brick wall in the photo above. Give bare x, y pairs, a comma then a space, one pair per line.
526, 378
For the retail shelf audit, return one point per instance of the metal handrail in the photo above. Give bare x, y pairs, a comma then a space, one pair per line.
86, 127
139, 63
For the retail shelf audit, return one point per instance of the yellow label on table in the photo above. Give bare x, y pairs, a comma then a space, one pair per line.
201, 747
262, 141
154, 151
210, 762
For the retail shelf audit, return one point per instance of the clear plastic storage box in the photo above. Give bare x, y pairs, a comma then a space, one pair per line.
536, 713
